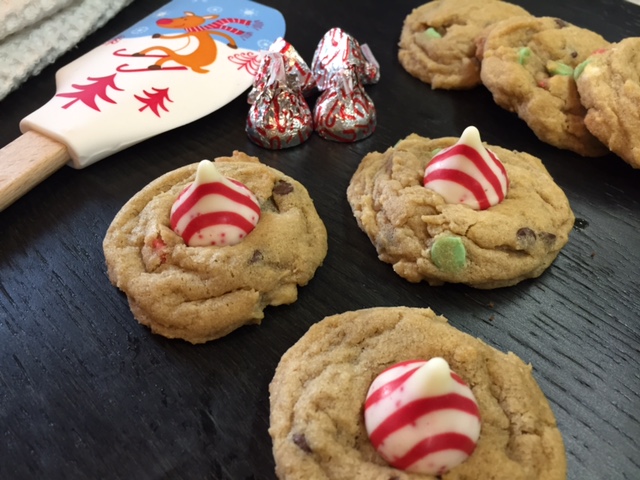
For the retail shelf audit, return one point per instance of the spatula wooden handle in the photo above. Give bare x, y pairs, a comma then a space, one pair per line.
27, 161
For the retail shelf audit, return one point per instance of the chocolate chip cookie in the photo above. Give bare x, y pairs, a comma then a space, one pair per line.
437, 43
202, 293
528, 65
425, 238
609, 86
318, 393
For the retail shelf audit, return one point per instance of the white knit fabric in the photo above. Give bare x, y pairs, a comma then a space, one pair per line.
34, 33
18, 14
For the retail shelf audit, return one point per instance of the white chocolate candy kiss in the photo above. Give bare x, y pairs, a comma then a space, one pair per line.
214, 210
421, 417
467, 173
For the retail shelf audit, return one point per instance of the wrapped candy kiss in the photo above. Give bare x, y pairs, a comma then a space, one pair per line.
295, 67
337, 51
344, 112
279, 116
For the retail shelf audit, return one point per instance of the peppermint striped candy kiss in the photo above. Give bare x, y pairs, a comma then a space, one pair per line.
467, 173
214, 210
422, 417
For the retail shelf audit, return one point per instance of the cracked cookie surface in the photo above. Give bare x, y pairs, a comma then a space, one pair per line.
609, 86
319, 388
437, 43
517, 239
528, 65
202, 293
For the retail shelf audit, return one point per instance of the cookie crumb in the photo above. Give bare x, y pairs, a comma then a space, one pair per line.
580, 224
301, 441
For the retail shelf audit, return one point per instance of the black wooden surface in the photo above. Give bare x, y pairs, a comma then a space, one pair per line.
85, 392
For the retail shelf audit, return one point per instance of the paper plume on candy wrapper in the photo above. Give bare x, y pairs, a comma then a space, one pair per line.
371, 68
279, 116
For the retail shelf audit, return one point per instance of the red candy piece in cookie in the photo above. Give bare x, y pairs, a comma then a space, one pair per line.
214, 210
422, 417
467, 173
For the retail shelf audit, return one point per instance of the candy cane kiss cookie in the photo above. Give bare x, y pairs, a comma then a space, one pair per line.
204, 249
459, 211
397, 393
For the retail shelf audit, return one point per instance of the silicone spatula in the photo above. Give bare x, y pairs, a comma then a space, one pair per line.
182, 62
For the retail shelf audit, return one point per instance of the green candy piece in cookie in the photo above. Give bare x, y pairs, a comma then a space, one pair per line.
432, 32
523, 54
579, 69
448, 254
559, 68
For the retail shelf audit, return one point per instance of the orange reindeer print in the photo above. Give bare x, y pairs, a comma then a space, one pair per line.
194, 27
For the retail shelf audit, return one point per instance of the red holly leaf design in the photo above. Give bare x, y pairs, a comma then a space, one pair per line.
155, 101
87, 93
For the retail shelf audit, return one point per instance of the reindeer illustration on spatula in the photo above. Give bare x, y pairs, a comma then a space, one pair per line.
196, 29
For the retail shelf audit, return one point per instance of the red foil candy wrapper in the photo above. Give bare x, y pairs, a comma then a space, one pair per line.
295, 67
279, 116
338, 50
344, 112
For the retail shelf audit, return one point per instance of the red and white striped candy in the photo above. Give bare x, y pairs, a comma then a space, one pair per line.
421, 417
468, 173
214, 210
